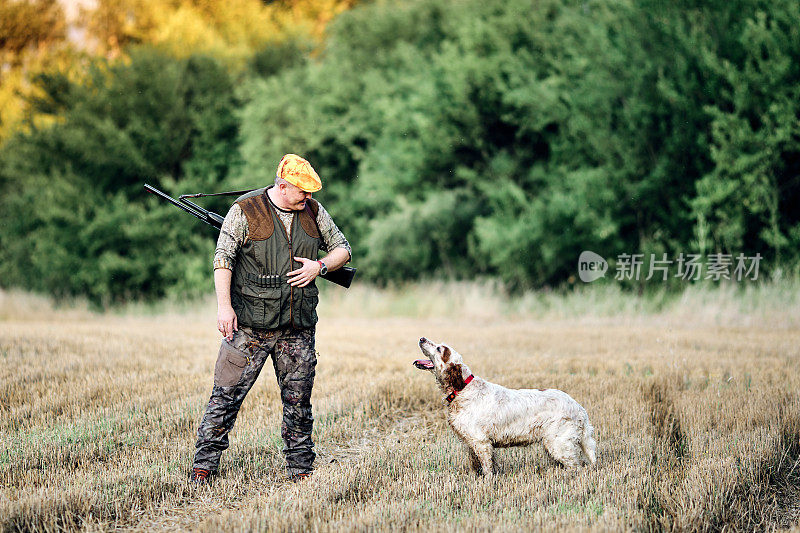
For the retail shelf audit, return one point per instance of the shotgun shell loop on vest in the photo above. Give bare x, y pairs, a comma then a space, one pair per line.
299, 173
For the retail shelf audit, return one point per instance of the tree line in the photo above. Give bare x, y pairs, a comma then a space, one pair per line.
455, 139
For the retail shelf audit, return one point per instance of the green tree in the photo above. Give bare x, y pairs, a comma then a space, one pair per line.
563, 126
750, 198
77, 219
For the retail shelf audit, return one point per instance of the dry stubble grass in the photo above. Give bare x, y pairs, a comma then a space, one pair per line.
697, 422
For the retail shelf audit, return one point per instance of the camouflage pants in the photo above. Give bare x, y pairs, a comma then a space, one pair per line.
238, 365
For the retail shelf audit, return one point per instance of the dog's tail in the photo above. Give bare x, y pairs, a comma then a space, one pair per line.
588, 444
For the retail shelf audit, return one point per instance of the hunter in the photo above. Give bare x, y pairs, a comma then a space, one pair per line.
265, 265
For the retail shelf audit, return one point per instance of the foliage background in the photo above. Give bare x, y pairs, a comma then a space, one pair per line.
456, 139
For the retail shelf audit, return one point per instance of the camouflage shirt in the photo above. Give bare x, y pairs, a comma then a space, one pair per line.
234, 234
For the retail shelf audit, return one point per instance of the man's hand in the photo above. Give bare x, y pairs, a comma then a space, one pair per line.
226, 322
305, 274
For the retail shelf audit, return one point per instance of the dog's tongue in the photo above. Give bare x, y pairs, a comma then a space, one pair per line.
423, 364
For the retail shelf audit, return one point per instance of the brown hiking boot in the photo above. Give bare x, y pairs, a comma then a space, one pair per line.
199, 476
297, 478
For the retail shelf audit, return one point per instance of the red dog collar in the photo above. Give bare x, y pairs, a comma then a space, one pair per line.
452, 396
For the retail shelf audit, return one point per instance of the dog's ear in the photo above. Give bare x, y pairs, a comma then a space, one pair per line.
453, 377
445, 354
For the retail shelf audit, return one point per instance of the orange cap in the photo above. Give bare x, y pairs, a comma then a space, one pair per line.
299, 173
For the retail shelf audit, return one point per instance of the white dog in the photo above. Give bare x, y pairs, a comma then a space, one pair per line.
487, 416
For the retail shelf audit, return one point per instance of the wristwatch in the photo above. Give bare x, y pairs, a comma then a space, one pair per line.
323, 268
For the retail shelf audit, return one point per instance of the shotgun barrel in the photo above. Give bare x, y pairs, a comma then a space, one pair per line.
212, 219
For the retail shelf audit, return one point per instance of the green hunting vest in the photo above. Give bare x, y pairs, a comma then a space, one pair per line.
260, 294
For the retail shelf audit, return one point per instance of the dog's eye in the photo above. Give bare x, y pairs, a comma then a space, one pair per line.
439, 349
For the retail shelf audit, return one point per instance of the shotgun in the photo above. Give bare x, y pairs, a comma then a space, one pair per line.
342, 276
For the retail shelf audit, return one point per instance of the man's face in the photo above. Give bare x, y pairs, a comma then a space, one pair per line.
294, 197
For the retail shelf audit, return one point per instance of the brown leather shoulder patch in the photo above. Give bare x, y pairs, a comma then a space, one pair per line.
308, 221
314, 205
259, 217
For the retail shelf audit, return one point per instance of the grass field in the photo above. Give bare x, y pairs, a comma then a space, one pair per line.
694, 400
